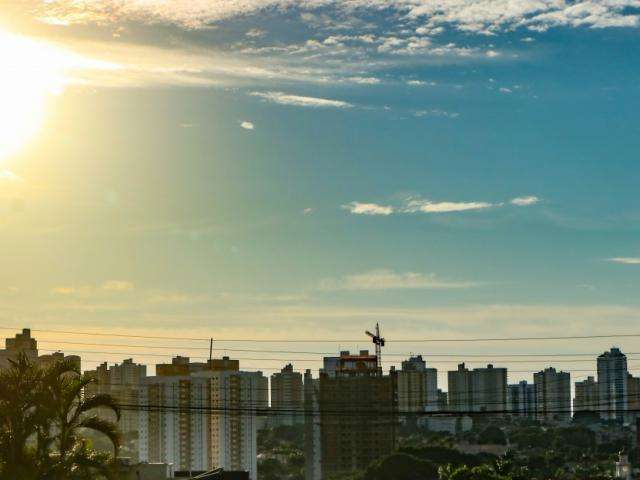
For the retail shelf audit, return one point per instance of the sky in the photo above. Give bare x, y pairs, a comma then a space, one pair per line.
279, 170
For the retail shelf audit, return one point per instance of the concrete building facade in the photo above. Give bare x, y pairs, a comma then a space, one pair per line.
287, 397
356, 413
553, 395
206, 416
417, 387
612, 384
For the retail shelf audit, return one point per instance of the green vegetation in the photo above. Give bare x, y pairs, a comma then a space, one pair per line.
43, 420
280, 453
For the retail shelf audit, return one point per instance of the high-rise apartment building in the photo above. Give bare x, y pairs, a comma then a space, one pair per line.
312, 430
287, 397
208, 416
459, 392
356, 408
123, 382
478, 390
633, 396
612, 384
489, 387
417, 386
521, 399
21, 343
553, 395
586, 396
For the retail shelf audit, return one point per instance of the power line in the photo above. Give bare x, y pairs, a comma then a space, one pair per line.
387, 354
164, 355
319, 340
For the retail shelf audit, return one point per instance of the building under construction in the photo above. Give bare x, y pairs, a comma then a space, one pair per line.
354, 420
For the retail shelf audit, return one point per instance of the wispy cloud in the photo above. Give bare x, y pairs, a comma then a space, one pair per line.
364, 80
524, 201
434, 112
359, 208
385, 279
422, 205
421, 83
247, 125
414, 205
301, 101
626, 260
485, 17
110, 286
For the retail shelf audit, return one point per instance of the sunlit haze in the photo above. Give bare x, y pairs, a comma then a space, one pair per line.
298, 170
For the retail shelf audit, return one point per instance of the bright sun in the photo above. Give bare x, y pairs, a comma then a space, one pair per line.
30, 72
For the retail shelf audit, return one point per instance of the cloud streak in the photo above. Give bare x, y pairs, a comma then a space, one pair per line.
626, 260
384, 279
427, 206
301, 101
524, 201
359, 208
473, 16
421, 205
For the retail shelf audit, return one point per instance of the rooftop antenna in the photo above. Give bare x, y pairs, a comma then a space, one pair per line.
378, 341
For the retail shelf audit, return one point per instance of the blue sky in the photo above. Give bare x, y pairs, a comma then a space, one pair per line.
455, 168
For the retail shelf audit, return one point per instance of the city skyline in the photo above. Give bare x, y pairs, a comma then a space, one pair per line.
299, 170
473, 398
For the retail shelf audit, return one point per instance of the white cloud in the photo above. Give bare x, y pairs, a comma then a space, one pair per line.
421, 205
420, 83
506, 90
492, 53
307, 211
414, 205
486, 17
247, 125
359, 208
435, 113
364, 80
626, 260
524, 201
255, 33
109, 286
384, 279
301, 101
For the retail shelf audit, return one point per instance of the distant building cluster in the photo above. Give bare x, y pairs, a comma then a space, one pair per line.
199, 416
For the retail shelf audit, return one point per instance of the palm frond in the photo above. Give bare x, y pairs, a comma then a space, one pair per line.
105, 427
101, 400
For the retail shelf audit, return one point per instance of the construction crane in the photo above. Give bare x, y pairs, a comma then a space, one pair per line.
378, 341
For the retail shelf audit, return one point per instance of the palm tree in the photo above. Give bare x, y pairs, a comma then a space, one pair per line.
71, 414
20, 417
43, 416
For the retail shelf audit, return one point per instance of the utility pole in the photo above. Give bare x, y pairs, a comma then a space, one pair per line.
210, 350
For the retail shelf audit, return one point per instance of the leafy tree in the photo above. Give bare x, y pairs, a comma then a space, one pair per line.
43, 417
271, 469
20, 418
482, 472
400, 466
492, 435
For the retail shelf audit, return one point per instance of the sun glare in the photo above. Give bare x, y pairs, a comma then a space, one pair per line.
30, 72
